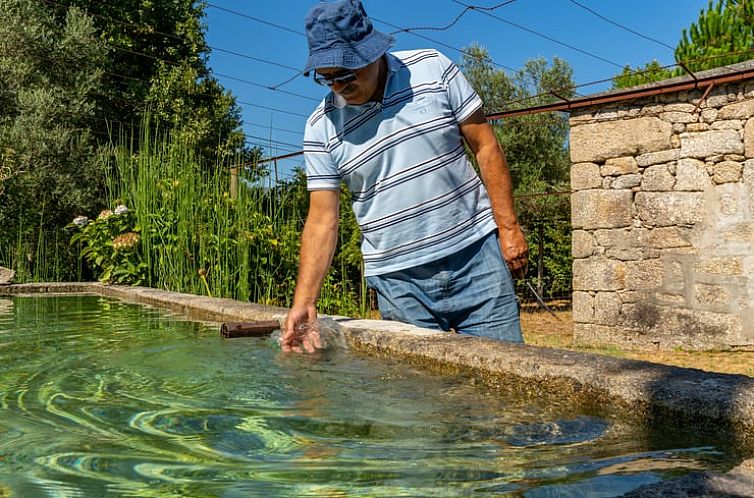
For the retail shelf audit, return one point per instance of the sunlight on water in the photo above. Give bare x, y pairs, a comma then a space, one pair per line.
104, 398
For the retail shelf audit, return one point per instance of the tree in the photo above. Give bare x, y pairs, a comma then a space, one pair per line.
722, 35
535, 145
652, 71
49, 74
157, 64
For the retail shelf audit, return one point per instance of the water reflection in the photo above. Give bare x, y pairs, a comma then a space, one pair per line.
101, 398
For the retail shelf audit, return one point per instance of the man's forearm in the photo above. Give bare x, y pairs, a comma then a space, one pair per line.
317, 248
496, 177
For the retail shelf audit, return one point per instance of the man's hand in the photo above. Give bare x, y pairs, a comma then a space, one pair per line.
301, 331
515, 249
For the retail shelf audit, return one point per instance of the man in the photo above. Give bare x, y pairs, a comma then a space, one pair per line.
435, 242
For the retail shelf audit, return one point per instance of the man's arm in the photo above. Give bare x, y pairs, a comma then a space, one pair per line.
317, 247
496, 177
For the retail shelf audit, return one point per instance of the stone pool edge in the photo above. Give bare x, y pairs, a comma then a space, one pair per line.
645, 392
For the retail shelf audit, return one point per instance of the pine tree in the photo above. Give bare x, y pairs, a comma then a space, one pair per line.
722, 35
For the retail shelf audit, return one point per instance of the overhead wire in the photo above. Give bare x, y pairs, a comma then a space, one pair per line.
621, 26
541, 95
542, 35
454, 21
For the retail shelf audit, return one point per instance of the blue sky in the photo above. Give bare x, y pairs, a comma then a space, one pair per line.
595, 48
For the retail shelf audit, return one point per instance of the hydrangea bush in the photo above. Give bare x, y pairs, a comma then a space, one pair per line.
110, 245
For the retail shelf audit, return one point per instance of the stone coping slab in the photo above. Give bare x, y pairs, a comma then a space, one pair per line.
658, 397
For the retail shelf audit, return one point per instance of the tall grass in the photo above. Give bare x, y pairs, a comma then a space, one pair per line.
195, 238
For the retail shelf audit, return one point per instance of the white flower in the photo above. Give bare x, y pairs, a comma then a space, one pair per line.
80, 221
121, 209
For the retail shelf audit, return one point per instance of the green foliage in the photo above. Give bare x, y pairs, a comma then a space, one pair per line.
49, 72
157, 64
73, 74
195, 238
535, 146
652, 71
110, 245
722, 35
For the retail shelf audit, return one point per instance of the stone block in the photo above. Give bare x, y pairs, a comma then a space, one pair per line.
598, 274
593, 209
709, 143
585, 176
722, 265
727, 172
582, 244
607, 307
663, 209
644, 275
666, 237
749, 138
619, 166
606, 114
748, 182
679, 117
596, 142
617, 237
667, 299
661, 157
588, 334
740, 232
625, 253
680, 107
583, 307
726, 125
704, 326
711, 297
696, 127
747, 332
629, 296
657, 178
709, 115
626, 181
739, 110
674, 277
691, 175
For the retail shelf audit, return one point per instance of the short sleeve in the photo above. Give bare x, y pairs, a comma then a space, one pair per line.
464, 101
321, 171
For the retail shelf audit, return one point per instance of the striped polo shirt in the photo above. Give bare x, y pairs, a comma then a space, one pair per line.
415, 195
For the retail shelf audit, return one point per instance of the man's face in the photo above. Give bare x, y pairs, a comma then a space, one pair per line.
358, 91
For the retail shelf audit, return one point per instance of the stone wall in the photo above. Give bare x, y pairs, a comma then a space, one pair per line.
663, 219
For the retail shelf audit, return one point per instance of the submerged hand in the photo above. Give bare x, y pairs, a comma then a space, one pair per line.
301, 331
515, 250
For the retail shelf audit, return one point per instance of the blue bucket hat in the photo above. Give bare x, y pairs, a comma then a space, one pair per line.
341, 35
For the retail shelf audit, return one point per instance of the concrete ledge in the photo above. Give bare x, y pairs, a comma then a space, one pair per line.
656, 396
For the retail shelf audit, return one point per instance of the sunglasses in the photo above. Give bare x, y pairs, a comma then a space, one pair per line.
342, 78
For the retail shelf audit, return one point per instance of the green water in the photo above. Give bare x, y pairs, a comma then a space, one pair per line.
101, 398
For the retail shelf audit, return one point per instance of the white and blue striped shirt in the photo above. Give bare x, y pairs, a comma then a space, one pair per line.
415, 195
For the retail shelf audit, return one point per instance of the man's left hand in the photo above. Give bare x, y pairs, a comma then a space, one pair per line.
515, 249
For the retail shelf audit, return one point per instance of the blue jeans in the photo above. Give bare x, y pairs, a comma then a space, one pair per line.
470, 291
